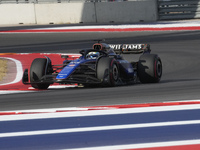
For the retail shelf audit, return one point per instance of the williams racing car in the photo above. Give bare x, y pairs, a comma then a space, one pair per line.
102, 65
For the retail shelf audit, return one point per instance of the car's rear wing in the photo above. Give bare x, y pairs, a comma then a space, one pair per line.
130, 48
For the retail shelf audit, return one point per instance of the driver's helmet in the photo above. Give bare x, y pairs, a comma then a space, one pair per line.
92, 55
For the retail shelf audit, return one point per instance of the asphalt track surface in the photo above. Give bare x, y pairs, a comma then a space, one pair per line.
179, 52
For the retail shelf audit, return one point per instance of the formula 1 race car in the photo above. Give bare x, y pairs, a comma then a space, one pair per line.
102, 65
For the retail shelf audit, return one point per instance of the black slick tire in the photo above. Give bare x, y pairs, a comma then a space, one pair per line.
108, 71
149, 68
37, 71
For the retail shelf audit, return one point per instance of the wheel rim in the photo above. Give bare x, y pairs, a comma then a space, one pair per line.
159, 69
115, 72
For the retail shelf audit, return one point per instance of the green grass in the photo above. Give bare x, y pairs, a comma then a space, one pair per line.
3, 68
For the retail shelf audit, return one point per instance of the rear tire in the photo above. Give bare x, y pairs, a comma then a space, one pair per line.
108, 71
149, 68
37, 71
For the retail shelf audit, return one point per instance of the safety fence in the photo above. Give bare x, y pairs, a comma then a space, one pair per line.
178, 9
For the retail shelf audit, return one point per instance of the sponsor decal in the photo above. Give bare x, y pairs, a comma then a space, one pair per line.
123, 62
126, 46
130, 70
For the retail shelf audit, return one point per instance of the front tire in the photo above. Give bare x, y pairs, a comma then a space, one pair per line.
108, 71
149, 68
37, 71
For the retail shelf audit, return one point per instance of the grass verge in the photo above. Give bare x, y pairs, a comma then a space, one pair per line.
3, 68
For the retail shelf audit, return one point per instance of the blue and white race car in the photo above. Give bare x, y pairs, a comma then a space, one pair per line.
102, 65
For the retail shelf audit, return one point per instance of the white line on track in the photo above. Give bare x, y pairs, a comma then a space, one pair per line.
13, 92
57, 87
52, 87
151, 25
93, 112
143, 145
99, 128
